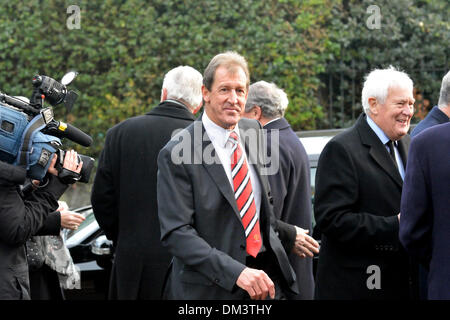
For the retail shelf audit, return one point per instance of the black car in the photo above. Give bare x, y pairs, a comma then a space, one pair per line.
92, 252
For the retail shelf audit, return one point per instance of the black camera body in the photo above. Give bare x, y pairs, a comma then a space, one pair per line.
29, 135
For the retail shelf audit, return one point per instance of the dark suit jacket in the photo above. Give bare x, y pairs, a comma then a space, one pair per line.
434, 117
291, 190
357, 200
125, 203
200, 223
424, 223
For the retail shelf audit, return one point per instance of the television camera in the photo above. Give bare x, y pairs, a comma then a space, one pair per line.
29, 134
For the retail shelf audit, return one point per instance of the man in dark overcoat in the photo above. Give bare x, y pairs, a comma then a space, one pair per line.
291, 183
124, 192
357, 200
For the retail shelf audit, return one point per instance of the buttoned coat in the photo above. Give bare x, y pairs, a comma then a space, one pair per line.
357, 200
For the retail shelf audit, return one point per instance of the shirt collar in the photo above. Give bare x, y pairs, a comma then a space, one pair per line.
380, 134
216, 133
176, 102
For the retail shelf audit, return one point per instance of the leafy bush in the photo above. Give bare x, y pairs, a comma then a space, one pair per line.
123, 49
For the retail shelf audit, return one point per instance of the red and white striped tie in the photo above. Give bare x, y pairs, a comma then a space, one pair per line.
243, 193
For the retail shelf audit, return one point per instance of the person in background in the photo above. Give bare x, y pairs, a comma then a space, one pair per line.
124, 191
51, 268
291, 184
21, 216
358, 191
424, 223
440, 113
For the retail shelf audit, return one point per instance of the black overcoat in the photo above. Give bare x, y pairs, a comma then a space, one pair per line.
125, 203
357, 200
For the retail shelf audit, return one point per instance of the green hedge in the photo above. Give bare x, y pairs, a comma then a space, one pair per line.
123, 49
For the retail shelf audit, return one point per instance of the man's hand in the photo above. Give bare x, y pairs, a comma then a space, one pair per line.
70, 163
257, 284
305, 245
69, 219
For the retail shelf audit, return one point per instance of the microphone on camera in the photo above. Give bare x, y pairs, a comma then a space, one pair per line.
66, 130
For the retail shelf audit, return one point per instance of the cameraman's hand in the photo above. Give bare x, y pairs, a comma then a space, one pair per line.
52, 170
71, 162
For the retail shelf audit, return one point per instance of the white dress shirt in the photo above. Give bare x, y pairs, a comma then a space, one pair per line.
223, 147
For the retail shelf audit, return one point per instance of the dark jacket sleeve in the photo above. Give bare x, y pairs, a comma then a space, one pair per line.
52, 225
104, 194
287, 234
20, 218
416, 220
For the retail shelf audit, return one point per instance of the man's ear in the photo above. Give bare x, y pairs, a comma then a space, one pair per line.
205, 93
257, 112
373, 105
163, 94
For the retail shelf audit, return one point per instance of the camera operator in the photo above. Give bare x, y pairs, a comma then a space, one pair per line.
21, 216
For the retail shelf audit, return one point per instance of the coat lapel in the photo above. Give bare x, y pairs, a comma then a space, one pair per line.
215, 170
378, 151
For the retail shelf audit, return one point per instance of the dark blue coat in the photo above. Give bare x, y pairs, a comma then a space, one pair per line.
291, 191
425, 220
434, 117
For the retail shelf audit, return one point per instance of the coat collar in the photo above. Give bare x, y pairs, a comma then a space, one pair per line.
280, 124
170, 109
378, 151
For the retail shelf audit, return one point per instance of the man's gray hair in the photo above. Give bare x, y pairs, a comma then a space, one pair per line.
185, 83
444, 96
229, 60
272, 100
378, 82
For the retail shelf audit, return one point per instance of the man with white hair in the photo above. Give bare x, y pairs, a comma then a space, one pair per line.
291, 184
124, 193
358, 191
